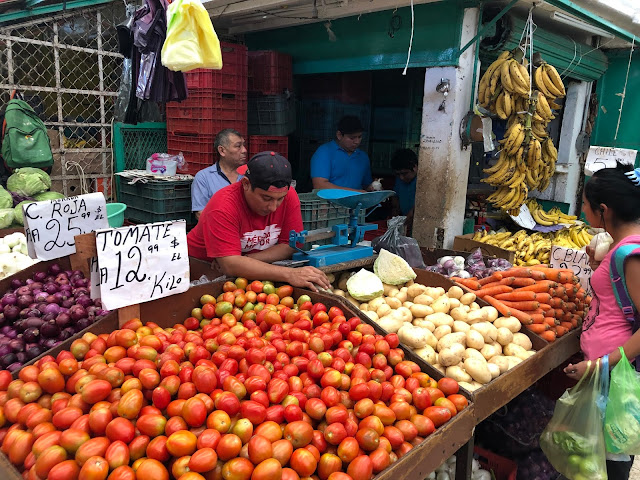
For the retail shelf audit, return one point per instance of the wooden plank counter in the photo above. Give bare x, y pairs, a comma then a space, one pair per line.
361, 263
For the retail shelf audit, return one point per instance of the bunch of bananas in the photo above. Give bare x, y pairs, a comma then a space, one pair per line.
528, 157
535, 249
552, 217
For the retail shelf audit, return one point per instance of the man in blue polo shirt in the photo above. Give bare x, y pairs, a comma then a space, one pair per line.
340, 163
232, 154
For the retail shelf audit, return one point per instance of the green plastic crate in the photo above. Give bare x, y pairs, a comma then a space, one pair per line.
318, 213
158, 196
141, 216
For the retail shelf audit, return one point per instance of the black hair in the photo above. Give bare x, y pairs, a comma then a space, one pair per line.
222, 138
404, 159
613, 188
350, 124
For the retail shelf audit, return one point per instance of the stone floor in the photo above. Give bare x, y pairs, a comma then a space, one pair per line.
635, 470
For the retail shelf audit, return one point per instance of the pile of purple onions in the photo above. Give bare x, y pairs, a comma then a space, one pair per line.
42, 312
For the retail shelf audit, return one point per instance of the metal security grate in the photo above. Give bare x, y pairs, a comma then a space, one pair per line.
68, 69
133, 144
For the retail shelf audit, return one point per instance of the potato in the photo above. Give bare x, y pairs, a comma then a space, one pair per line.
423, 299
416, 337
440, 368
458, 313
339, 292
415, 290
469, 387
448, 358
342, 283
432, 292
476, 316
427, 353
404, 289
442, 331
467, 298
505, 336
372, 315
402, 296
418, 310
458, 374
474, 306
459, 326
454, 303
441, 304
475, 339
439, 318
450, 339
473, 353
376, 303
478, 370
488, 331
383, 310
513, 361
501, 362
514, 350
364, 307
455, 292
409, 283
497, 346
494, 370
408, 304
522, 340
386, 288
511, 323
421, 322
465, 308
353, 301
394, 303
489, 351
393, 292
491, 313
391, 322
405, 313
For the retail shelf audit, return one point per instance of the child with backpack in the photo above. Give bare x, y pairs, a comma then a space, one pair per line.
611, 201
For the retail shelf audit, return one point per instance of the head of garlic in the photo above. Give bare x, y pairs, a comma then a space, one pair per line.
600, 244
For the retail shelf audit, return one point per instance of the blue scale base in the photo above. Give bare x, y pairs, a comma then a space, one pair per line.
325, 256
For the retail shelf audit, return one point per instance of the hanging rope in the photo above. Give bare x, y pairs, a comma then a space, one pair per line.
410, 41
624, 90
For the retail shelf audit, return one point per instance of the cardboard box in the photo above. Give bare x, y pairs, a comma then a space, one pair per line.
54, 138
465, 243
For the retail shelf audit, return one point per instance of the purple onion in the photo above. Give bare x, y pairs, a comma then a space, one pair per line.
36, 286
81, 291
63, 320
82, 324
50, 330
51, 299
102, 313
29, 281
5, 349
39, 276
68, 303
50, 288
22, 357
31, 335
20, 325
33, 322
8, 359
77, 312
9, 299
16, 283
14, 367
62, 279
25, 300
60, 296
69, 331
50, 343
52, 308
84, 301
41, 297
17, 344
48, 317
33, 352
33, 312
54, 269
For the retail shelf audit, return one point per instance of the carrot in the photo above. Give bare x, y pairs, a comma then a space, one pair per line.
542, 266
559, 312
570, 306
571, 288
467, 282
551, 321
493, 290
523, 282
567, 325
559, 275
549, 336
524, 317
581, 294
516, 296
550, 313
545, 306
501, 307
538, 328
560, 331
541, 286
538, 318
518, 272
543, 297
525, 306
574, 322
505, 281
555, 302
496, 277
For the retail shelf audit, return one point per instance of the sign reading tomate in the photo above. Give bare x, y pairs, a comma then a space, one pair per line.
140, 263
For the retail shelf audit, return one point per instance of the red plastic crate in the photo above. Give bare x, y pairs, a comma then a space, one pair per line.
208, 112
382, 228
270, 72
503, 468
197, 150
261, 143
232, 77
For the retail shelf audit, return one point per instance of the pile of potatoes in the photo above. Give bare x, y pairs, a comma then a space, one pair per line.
449, 330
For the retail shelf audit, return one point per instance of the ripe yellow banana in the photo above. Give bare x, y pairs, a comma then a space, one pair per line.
553, 75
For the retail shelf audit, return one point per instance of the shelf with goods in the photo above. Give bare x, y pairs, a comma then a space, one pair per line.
171, 311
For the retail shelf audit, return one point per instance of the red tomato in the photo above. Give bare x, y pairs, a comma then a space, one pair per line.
259, 449
117, 454
181, 443
298, 433
152, 469
120, 429
95, 468
66, 470
237, 469
203, 460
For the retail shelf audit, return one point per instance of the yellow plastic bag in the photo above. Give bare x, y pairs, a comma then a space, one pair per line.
191, 41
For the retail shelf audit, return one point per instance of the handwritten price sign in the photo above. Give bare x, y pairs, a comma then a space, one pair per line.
141, 263
607, 157
575, 260
51, 226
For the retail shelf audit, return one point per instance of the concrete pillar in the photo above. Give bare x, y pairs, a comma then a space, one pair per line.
564, 186
443, 164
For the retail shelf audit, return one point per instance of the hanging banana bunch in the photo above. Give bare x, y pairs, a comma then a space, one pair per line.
528, 157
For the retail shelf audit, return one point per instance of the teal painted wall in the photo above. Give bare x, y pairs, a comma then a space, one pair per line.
608, 89
363, 43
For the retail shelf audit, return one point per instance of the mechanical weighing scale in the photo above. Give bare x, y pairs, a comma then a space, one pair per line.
345, 238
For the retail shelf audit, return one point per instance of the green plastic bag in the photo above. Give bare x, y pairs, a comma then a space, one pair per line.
191, 41
573, 441
622, 419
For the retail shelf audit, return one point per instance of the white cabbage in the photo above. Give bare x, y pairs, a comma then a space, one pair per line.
392, 269
364, 286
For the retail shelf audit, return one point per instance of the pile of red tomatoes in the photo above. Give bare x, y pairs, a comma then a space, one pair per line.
254, 386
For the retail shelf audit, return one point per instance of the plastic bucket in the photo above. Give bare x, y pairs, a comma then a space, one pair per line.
161, 166
115, 214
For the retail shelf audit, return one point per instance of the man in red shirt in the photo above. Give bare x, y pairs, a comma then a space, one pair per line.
245, 226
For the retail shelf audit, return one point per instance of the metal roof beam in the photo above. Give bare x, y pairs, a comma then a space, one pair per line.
13, 17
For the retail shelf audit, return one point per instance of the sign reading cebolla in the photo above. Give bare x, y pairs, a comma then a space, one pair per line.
140, 263
51, 225
575, 260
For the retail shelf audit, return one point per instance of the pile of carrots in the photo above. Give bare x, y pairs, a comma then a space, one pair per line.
547, 301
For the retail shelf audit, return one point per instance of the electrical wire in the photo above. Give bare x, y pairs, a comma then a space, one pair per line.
624, 90
410, 40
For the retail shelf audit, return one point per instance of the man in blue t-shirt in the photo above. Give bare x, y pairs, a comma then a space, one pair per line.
405, 166
232, 153
340, 163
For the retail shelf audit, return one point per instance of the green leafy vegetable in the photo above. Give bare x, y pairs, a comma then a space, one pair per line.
364, 286
29, 181
574, 443
41, 197
18, 214
392, 269
6, 201
6, 217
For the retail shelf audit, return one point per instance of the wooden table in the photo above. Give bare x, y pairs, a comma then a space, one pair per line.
360, 263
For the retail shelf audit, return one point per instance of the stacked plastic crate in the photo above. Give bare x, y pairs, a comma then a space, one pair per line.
217, 100
272, 109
